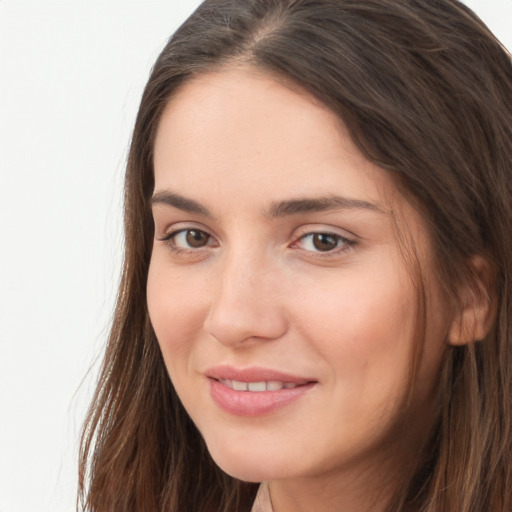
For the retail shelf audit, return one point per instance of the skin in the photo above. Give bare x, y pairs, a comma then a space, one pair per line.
258, 292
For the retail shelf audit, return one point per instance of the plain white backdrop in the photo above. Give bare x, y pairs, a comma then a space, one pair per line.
71, 76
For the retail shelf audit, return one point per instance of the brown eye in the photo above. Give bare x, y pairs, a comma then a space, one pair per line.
324, 241
196, 238
188, 239
318, 242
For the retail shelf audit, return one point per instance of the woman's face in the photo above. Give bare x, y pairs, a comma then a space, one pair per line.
277, 289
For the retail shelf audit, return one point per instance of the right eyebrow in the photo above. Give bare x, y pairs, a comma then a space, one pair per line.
180, 202
319, 204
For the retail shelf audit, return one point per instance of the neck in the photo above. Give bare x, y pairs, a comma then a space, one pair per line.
358, 487
329, 494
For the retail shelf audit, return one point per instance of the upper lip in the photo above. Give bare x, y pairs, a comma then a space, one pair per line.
254, 374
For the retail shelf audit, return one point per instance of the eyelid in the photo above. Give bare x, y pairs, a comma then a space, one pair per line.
176, 227
168, 238
348, 240
324, 229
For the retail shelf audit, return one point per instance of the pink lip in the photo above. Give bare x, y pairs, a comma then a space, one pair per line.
254, 374
247, 403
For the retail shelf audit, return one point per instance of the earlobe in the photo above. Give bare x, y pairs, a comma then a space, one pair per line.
474, 319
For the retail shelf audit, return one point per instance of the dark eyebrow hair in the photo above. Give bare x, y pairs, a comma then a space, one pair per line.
320, 204
277, 209
180, 202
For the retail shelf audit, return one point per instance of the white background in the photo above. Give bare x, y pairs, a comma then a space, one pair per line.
71, 76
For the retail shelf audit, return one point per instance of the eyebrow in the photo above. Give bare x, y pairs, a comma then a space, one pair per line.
277, 209
180, 202
320, 204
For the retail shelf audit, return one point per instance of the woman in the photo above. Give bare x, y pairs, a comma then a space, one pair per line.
314, 312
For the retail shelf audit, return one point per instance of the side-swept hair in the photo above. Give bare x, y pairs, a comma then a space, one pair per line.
425, 91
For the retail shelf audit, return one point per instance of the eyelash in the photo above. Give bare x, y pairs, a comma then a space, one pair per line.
170, 240
343, 244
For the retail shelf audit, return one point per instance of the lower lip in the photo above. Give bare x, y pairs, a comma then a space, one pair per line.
255, 403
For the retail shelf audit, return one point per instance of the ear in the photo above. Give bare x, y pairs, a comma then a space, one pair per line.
474, 319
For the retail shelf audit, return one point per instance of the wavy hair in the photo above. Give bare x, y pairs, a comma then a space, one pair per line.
425, 91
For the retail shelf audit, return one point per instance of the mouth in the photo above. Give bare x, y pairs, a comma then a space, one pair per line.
255, 391
258, 387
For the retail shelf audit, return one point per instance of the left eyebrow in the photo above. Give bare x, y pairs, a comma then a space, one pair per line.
319, 204
182, 203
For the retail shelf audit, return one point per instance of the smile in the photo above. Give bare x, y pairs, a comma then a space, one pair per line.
255, 391
270, 385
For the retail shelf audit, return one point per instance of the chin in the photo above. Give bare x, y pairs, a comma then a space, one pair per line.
248, 466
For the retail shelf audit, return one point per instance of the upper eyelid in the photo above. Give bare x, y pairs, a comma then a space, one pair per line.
297, 233
347, 240
168, 240
174, 232
324, 229
176, 227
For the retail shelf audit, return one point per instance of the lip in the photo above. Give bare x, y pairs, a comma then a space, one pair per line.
254, 374
248, 403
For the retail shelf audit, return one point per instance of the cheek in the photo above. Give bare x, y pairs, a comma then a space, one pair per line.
365, 329
177, 308
369, 311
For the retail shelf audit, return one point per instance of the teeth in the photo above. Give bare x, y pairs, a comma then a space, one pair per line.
257, 386
239, 386
271, 385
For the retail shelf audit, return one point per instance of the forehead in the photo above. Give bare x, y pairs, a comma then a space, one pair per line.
241, 136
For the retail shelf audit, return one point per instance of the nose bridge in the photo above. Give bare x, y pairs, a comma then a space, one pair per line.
245, 303
243, 270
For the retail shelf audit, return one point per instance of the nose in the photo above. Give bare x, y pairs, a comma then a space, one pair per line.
247, 303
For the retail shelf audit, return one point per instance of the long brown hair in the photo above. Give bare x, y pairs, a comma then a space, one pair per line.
426, 92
